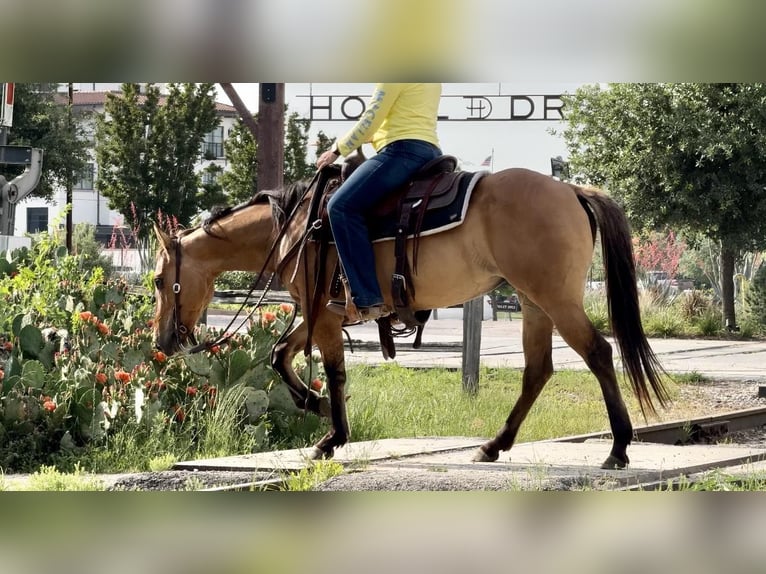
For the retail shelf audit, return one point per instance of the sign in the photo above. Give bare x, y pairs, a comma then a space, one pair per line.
15, 155
6, 105
497, 108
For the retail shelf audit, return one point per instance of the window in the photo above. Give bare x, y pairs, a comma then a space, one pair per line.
37, 219
209, 177
85, 180
212, 145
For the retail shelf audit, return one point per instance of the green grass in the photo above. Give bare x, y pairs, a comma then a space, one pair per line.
135, 448
308, 479
48, 478
720, 481
389, 401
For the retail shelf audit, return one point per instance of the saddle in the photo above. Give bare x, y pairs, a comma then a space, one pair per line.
435, 186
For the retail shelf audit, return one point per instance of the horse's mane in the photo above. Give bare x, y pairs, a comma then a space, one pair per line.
283, 200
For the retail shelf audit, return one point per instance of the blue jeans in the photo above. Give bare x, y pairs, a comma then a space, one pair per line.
380, 175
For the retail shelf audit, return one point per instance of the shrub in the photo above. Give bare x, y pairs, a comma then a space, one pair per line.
756, 296
663, 322
694, 304
709, 323
234, 280
597, 311
78, 368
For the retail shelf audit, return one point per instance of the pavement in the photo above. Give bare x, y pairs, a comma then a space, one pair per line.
501, 347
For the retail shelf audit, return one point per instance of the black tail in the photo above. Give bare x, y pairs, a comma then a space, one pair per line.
639, 361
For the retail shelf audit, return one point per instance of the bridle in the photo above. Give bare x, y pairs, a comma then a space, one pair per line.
181, 331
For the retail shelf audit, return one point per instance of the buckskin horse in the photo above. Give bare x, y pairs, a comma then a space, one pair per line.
531, 230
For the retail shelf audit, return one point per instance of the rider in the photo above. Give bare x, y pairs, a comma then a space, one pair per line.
400, 122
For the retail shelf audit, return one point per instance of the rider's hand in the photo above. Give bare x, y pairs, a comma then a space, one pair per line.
327, 158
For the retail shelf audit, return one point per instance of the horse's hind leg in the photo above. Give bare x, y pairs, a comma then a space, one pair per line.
537, 330
579, 333
282, 362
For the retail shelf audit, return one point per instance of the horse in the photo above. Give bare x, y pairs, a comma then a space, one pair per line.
529, 229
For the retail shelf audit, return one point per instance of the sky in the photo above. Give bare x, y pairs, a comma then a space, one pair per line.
526, 144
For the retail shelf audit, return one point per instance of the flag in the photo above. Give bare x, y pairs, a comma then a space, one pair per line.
487, 162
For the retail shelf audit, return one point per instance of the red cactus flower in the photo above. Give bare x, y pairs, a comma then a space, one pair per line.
102, 328
2, 374
101, 378
215, 349
268, 317
317, 384
286, 307
49, 406
178, 413
191, 391
160, 357
122, 376
86, 316
8, 346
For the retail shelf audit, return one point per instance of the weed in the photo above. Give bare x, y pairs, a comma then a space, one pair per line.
48, 478
309, 478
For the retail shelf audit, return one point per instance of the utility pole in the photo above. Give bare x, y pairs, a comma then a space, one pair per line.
70, 176
271, 136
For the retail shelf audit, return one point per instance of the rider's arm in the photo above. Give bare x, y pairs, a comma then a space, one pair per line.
376, 111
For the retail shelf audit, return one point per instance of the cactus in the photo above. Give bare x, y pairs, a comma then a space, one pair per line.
31, 341
256, 403
33, 374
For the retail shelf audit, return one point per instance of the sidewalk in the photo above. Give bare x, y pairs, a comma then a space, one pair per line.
501, 346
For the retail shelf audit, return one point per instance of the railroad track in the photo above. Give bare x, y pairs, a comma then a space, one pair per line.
700, 430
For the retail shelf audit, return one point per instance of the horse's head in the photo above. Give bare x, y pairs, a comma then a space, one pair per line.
182, 289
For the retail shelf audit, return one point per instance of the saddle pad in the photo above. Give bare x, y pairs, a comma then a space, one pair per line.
435, 220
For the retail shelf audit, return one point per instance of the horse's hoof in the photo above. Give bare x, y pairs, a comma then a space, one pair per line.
482, 456
614, 463
318, 453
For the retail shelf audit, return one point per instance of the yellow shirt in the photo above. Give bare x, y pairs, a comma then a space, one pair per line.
395, 112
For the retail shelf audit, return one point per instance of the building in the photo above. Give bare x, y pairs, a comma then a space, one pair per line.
34, 214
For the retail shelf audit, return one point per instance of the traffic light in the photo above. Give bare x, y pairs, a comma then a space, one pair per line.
268, 93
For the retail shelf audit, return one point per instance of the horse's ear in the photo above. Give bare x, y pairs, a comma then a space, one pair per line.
162, 237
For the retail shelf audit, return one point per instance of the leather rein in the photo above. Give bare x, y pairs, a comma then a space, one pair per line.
182, 332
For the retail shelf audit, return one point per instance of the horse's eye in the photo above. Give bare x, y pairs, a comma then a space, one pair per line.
158, 282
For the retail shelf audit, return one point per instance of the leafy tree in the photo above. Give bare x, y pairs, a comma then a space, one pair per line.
40, 120
691, 157
659, 252
240, 180
296, 142
147, 147
324, 142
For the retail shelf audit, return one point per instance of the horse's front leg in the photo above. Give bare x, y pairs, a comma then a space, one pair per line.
328, 336
282, 362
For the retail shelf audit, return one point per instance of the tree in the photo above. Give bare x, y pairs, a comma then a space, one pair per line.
323, 143
691, 157
296, 143
659, 252
240, 180
147, 146
40, 120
